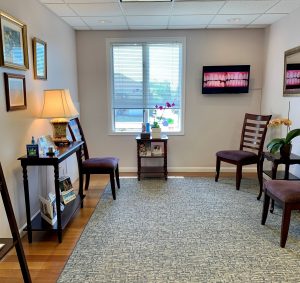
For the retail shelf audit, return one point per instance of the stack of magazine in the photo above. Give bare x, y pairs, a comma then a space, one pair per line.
48, 208
66, 190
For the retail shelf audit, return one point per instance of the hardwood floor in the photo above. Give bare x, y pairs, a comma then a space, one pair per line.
45, 256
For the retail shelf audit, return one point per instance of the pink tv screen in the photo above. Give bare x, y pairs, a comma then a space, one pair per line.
292, 76
225, 79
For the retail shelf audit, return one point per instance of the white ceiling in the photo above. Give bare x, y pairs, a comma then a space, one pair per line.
178, 14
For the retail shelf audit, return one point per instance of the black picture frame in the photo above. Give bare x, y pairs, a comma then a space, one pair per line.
32, 150
15, 92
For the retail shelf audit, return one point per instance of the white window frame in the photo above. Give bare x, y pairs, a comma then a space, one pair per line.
109, 43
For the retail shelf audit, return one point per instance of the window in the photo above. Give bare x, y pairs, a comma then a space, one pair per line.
145, 75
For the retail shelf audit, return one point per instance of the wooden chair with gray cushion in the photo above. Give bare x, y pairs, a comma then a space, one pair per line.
287, 194
251, 146
95, 165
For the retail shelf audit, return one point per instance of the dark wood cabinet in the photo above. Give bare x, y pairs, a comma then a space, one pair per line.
38, 224
155, 149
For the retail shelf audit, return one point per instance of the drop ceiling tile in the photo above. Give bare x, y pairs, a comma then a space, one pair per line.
267, 19
110, 28
104, 21
193, 7
285, 6
61, 10
256, 26
188, 27
52, 1
137, 9
225, 26
233, 19
134, 27
190, 20
147, 20
74, 21
94, 10
247, 7
81, 28
88, 1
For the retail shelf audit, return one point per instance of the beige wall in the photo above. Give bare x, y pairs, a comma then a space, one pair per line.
17, 127
280, 37
211, 122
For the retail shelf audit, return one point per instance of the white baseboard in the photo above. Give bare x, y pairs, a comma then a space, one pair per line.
194, 169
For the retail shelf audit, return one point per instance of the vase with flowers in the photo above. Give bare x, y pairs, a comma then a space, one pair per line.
160, 120
283, 145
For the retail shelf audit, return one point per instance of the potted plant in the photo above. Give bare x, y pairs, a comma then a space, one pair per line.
283, 145
155, 127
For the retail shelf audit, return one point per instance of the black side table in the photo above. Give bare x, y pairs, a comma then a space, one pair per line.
276, 159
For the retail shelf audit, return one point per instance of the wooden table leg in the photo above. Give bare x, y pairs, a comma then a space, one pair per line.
274, 173
27, 203
57, 194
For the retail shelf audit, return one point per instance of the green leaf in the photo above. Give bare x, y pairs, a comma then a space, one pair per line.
292, 134
276, 147
280, 141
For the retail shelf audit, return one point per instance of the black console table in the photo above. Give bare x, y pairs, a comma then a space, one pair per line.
38, 224
276, 159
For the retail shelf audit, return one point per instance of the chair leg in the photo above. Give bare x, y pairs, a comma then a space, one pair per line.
218, 164
265, 209
81, 186
259, 180
238, 176
87, 181
117, 176
112, 184
286, 217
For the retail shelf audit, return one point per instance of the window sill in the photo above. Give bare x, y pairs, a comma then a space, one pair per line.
137, 133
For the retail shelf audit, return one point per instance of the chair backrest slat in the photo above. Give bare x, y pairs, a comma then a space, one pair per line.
77, 134
254, 132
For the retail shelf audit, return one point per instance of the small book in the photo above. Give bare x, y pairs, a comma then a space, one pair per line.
156, 149
65, 184
48, 209
68, 196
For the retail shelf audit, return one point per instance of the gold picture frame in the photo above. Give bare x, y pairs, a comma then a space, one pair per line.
15, 92
13, 43
39, 48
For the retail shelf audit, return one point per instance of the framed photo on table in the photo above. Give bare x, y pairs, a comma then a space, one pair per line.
13, 43
15, 92
39, 59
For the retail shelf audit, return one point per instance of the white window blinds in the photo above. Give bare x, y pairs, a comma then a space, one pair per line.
146, 74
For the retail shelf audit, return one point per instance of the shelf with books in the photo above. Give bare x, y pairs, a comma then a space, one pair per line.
39, 224
152, 149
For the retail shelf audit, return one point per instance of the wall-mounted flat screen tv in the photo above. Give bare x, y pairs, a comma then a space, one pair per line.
225, 79
292, 78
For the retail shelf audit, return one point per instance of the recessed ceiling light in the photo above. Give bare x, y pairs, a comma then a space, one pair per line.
103, 21
234, 20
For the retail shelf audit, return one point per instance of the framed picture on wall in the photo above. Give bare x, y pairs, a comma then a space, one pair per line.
15, 92
13, 43
39, 48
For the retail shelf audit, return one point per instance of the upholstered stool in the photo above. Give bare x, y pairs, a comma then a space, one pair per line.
286, 193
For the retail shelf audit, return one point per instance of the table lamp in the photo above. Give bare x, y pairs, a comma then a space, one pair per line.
58, 106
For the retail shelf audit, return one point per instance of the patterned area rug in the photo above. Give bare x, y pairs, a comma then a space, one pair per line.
184, 230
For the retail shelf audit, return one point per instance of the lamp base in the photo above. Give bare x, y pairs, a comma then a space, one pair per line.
60, 131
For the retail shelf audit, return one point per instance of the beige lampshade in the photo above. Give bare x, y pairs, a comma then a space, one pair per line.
58, 104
